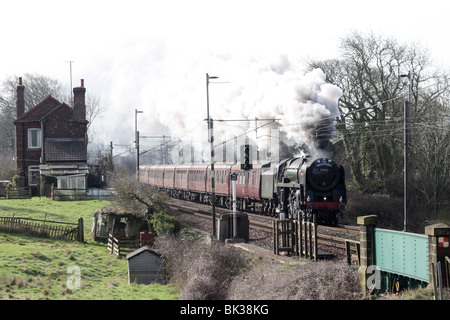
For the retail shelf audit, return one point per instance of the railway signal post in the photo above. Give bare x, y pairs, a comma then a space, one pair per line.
246, 162
233, 181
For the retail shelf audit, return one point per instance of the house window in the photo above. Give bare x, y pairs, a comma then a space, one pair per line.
33, 175
34, 138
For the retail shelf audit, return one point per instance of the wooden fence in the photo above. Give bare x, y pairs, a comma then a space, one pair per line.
295, 238
447, 270
18, 193
348, 251
44, 228
121, 247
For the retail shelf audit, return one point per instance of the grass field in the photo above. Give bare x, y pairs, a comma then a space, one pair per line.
38, 268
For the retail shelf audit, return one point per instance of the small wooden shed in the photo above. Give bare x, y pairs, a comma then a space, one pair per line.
145, 266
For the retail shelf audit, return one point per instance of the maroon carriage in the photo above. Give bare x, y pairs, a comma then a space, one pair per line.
169, 172
152, 175
197, 178
248, 188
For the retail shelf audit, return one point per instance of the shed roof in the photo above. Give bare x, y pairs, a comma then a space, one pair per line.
140, 250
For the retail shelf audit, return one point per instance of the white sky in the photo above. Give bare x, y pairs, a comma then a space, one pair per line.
153, 55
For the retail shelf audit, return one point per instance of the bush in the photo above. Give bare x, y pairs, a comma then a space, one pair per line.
163, 223
213, 271
311, 281
202, 270
388, 209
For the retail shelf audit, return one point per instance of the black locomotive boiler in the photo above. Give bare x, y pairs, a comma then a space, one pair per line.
302, 187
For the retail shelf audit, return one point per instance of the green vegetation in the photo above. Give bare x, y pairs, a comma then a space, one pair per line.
163, 223
38, 268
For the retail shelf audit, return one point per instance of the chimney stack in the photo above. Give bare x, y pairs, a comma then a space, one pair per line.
79, 103
20, 103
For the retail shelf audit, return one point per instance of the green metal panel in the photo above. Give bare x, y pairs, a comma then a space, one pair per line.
402, 253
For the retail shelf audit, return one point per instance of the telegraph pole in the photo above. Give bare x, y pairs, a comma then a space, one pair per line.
111, 156
136, 134
406, 128
211, 140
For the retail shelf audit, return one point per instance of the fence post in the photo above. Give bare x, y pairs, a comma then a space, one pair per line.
438, 247
80, 230
367, 246
315, 237
296, 236
275, 237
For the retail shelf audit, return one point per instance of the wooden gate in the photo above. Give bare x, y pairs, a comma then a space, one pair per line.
293, 237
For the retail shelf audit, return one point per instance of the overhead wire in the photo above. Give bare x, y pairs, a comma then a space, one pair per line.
173, 139
333, 118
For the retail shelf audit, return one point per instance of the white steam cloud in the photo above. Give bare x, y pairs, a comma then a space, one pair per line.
305, 105
171, 90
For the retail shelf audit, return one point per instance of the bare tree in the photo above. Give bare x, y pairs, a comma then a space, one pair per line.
94, 110
372, 114
430, 167
8, 166
38, 87
371, 120
135, 197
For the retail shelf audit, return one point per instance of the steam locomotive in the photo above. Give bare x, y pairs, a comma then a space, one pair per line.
296, 188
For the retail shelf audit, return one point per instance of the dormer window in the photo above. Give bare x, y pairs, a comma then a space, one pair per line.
34, 138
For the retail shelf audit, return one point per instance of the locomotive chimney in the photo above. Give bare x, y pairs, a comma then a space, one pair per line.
79, 103
20, 102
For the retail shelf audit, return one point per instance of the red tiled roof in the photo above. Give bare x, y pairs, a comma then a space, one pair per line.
41, 110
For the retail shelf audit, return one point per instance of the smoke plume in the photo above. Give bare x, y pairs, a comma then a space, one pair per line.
171, 90
304, 105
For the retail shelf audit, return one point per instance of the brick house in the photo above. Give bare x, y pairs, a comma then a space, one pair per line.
51, 142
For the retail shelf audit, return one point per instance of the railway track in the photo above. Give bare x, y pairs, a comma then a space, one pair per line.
329, 238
